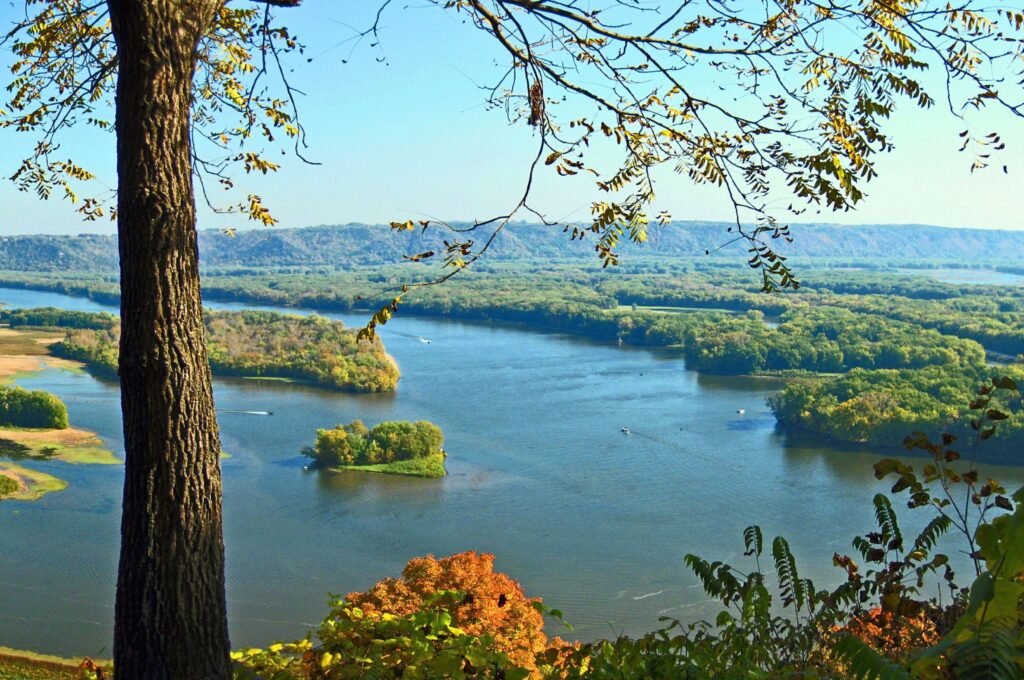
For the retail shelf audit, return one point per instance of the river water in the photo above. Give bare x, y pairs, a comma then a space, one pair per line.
595, 521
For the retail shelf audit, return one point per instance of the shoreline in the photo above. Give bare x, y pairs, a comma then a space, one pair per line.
19, 664
431, 467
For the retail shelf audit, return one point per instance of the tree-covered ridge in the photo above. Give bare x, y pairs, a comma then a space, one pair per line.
266, 344
35, 409
382, 448
360, 244
880, 407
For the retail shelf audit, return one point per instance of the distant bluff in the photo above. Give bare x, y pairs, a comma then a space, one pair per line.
361, 244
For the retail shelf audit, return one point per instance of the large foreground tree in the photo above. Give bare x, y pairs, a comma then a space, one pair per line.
170, 614
765, 99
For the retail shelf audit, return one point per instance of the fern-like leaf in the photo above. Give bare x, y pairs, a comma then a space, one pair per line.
888, 523
790, 585
993, 654
929, 536
752, 541
864, 663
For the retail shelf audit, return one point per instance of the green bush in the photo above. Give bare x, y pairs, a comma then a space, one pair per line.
387, 442
351, 644
7, 485
21, 408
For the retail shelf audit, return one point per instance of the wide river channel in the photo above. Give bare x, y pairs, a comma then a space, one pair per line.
595, 521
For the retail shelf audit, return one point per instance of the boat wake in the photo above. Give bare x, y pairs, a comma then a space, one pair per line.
419, 338
647, 595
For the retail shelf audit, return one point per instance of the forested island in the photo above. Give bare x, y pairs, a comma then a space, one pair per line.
34, 426
246, 344
20, 483
391, 447
881, 407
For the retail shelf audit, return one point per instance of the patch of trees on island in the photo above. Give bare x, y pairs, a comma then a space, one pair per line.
33, 409
261, 344
880, 407
7, 485
385, 447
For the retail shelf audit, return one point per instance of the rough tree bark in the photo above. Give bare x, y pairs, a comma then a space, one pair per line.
170, 613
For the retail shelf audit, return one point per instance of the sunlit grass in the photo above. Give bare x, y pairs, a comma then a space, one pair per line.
429, 466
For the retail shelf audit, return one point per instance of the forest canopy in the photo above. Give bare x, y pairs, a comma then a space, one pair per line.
881, 407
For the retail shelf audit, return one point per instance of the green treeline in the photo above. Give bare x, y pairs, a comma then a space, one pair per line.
384, 447
816, 333
57, 318
995, 322
540, 293
96, 348
568, 298
264, 344
821, 340
880, 407
22, 408
871, 321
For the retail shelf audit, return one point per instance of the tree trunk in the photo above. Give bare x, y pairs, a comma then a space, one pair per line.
170, 614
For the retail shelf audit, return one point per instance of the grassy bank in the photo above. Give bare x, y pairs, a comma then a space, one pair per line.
430, 466
30, 485
19, 665
78, 447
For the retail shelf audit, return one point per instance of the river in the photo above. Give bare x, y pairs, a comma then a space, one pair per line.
595, 521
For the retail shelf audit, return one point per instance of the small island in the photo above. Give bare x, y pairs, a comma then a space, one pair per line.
24, 409
22, 484
390, 447
34, 424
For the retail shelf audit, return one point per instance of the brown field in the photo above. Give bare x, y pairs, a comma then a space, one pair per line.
27, 341
66, 437
11, 365
25, 351
68, 445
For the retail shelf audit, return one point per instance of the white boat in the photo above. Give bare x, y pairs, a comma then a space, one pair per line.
741, 411
625, 430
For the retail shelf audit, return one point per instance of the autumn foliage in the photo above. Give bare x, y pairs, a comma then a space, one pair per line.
892, 635
488, 602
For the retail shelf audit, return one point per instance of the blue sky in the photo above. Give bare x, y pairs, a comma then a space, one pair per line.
401, 132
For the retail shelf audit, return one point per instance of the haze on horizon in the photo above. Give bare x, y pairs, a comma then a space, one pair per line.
401, 131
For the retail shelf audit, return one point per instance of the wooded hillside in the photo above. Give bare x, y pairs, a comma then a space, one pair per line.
360, 244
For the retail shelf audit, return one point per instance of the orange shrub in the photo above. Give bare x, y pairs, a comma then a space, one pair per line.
892, 635
490, 603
